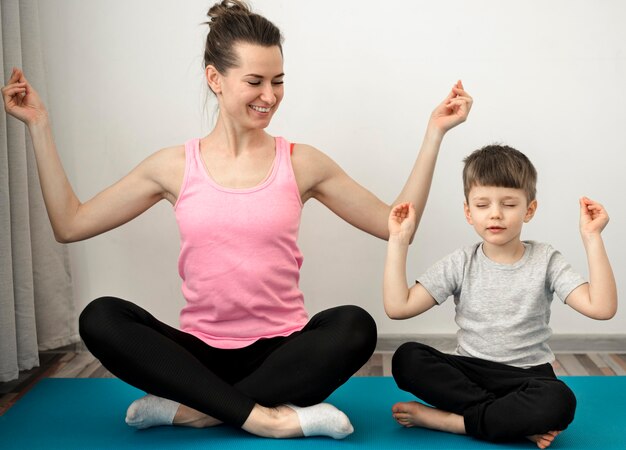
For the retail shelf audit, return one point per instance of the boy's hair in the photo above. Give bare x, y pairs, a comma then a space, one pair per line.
502, 166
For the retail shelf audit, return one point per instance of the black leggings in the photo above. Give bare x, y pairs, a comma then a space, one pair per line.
303, 368
498, 402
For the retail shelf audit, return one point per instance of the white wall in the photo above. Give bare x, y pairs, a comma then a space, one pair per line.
125, 79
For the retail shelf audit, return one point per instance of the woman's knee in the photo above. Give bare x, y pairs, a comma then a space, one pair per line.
352, 325
361, 328
97, 315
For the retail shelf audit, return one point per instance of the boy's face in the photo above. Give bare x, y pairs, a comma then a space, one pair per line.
498, 213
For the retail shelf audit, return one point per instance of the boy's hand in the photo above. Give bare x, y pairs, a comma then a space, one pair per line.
402, 222
593, 217
453, 110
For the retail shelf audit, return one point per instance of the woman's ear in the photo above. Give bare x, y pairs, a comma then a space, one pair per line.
530, 212
214, 79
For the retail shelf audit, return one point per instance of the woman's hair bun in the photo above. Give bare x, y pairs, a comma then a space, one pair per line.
231, 22
227, 7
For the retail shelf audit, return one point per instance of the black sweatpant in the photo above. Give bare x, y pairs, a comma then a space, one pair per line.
303, 368
498, 402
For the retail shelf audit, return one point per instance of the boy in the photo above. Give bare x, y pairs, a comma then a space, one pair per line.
499, 385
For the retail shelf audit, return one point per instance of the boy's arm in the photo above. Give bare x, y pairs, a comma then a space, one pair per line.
401, 302
598, 298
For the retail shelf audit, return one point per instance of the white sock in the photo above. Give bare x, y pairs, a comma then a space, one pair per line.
323, 419
151, 411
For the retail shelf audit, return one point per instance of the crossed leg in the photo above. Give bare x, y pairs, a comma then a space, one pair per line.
247, 387
487, 400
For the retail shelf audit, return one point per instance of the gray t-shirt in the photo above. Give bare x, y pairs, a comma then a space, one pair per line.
503, 310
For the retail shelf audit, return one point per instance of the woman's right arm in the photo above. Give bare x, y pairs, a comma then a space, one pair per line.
72, 220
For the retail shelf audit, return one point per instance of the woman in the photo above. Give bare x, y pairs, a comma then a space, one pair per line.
246, 353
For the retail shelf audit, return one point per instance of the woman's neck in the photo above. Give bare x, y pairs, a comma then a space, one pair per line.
236, 140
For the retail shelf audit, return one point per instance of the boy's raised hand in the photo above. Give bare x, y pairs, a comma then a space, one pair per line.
453, 110
593, 217
598, 298
402, 222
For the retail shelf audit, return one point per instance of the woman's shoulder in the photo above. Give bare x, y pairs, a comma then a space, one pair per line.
168, 156
166, 167
174, 151
310, 157
312, 166
305, 150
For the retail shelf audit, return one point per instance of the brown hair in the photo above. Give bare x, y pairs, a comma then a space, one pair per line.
232, 22
500, 165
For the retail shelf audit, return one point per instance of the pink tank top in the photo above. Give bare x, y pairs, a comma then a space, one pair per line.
239, 260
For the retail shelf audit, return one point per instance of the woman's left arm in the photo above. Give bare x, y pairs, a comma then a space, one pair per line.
328, 183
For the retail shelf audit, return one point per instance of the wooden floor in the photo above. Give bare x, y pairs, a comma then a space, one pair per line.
76, 363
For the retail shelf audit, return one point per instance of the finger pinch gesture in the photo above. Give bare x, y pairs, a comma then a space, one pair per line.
459, 102
593, 216
21, 100
13, 95
454, 109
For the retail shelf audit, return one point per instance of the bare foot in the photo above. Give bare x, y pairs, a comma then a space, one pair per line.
189, 417
415, 414
543, 440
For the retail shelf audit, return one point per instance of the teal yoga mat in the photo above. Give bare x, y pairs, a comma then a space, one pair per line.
89, 414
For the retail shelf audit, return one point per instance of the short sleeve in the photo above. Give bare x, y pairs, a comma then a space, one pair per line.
444, 278
561, 278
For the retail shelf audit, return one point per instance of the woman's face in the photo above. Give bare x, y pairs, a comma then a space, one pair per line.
250, 93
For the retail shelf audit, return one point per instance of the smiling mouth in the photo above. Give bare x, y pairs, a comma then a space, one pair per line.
260, 109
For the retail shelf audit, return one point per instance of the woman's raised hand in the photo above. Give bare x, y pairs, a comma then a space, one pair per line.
453, 110
21, 100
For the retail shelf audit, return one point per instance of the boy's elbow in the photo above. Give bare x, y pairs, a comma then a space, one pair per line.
603, 316
395, 314
606, 314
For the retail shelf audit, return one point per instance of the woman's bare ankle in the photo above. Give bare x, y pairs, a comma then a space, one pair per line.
189, 417
278, 422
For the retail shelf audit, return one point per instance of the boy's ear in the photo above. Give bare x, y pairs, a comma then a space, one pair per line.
468, 214
530, 212
213, 78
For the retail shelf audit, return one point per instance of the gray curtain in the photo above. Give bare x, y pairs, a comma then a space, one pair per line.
37, 309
